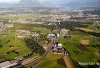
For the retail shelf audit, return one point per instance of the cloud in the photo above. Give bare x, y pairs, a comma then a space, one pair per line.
57, 1
8, 1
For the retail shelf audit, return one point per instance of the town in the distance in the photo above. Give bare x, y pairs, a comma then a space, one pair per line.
49, 37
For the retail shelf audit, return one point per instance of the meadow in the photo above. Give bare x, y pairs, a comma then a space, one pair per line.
78, 52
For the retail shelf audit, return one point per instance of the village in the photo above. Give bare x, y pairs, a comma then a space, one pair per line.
61, 38
21, 34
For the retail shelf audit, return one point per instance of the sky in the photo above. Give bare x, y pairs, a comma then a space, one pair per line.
50, 1
11, 1
8, 1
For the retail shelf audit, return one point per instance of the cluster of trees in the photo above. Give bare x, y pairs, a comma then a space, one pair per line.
14, 51
34, 45
0, 44
73, 24
91, 33
42, 37
68, 24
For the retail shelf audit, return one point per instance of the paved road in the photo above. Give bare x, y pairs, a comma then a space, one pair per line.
49, 46
67, 59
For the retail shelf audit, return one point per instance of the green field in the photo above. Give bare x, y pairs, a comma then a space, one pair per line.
52, 61
92, 28
9, 43
85, 53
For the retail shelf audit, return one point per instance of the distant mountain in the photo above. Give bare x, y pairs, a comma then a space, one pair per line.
28, 3
53, 3
71, 3
85, 3
6, 5
22, 3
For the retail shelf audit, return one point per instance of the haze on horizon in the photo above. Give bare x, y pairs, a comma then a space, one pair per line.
9, 1
15, 1
12, 1
50, 3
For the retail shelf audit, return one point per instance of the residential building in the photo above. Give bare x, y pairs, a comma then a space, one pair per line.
8, 64
64, 33
58, 48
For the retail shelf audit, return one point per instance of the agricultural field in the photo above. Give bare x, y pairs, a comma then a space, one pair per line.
81, 53
52, 61
19, 16
31, 27
9, 44
95, 28
12, 47
90, 30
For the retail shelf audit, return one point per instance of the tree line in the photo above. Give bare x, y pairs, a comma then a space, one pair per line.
34, 45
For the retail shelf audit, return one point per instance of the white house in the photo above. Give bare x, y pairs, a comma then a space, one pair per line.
58, 35
58, 49
59, 45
